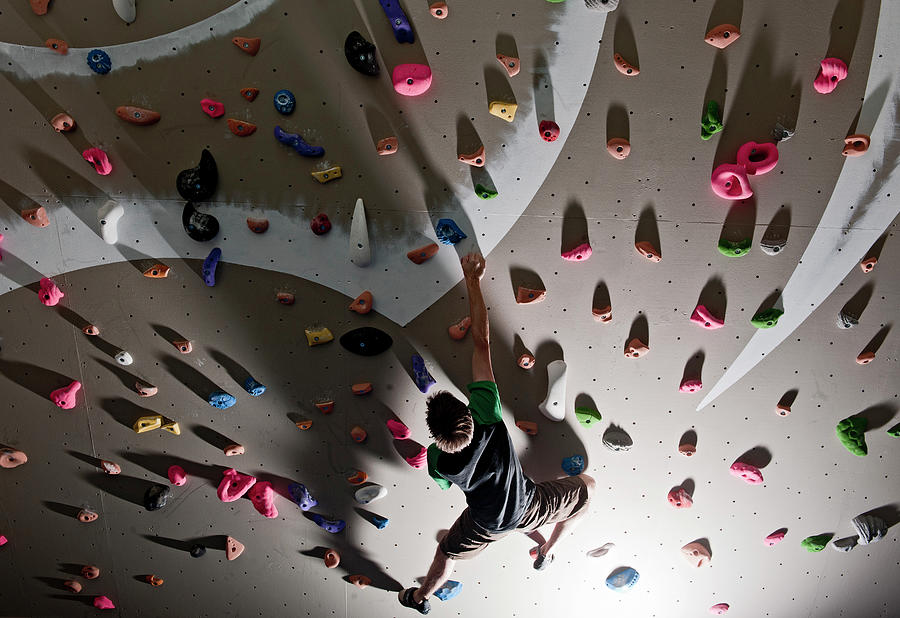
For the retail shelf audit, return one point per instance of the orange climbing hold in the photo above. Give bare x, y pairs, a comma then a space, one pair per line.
285, 298
624, 67
782, 409
722, 36
137, 115
154, 580
90, 329
602, 314
325, 407
687, 449
233, 548
241, 128
646, 249
438, 10
422, 254
509, 63
636, 348
458, 331
39, 6
304, 424
358, 477
73, 585
251, 46
855, 145
387, 146
85, 516
528, 427
62, 123
257, 226
36, 216
360, 581
363, 388
868, 264
234, 449
57, 45
618, 148
183, 346
475, 159
332, 558
157, 271
525, 296
249, 93
358, 434
362, 304
865, 357
89, 571
526, 361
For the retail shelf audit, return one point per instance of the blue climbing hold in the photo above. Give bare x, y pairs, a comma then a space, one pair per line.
209, 267
622, 579
284, 102
99, 61
423, 379
449, 590
448, 232
221, 400
333, 526
573, 465
296, 142
301, 496
399, 22
380, 522
253, 387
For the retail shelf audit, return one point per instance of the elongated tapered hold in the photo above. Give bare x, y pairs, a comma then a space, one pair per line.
360, 251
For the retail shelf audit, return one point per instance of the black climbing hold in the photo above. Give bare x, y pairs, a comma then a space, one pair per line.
366, 341
197, 550
199, 183
156, 497
361, 54
199, 226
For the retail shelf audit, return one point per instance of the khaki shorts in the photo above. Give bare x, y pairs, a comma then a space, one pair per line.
553, 501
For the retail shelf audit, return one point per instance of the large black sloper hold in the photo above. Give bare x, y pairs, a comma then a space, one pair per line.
366, 341
361, 54
199, 226
197, 184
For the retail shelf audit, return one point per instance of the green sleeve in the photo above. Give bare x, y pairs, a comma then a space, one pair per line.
433, 453
484, 402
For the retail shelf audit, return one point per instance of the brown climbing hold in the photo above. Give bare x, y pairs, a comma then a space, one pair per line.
325, 407
865, 357
417, 256
332, 558
145, 390
233, 548
363, 388
285, 298
73, 585
241, 128
618, 148
358, 477
304, 424
62, 123
602, 314
526, 296
509, 63
85, 516
687, 449
855, 145
90, 329
868, 264
137, 115
157, 271
528, 427
646, 249
251, 46
361, 581
782, 409
249, 93
475, 159
184, 347
36, 216
358, 434
89, 571
458, 331
722, 36
362, 304
154, 580
57, 45
526, 361
387, 146
39, 6
624, 67
636, 348
257, 226
234, 449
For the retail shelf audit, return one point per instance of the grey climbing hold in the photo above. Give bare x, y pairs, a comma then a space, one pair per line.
781, 133
870, 528
845, 544
156, 497
846, 320
772, 246
616, 439
604, 6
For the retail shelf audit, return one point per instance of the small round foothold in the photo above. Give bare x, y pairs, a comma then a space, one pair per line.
618, 148
63, 123
57, 45
36, 216
185, 347
11, 458
89, 571
723, 35
387, 146
774, 539
526, 361
868, 264
73, 585
234, 449
782, 409
361, 581
285, 298
687, 450
137, 115
475, 159
90, 329
320, 224
458, 330
647, 250
549, 130
602, 314
304, 425
624, 67
154, 580
177, 475
241, 128
747, 472
855, 145
110, 467
157, 271
233, 548
358, 477
719, 608
332, 558
86, 516
865, 357
358, 434
257, 226
439, 10
124, 358
284, 101
197, 551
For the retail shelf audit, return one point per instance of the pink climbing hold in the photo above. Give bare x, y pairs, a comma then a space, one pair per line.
758, 158
703, 318
689, 385
99, 160
177, 476
747, 472
103, 602
418, 460
581, 253
211, 108
719, 608
3, 540
774, 539
49, 292
549, 130
234, 485
730, 182
65, 397
831, 71
680, 498
263, 498
411, 79
526, 361
398, 429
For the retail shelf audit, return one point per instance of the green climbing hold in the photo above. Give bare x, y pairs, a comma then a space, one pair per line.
815, 543
851, 433
587, 416
711, 123
895, 430
739, 248
767, 318
485, 193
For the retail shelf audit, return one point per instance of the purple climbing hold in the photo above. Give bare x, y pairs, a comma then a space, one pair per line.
301, 496
423, 379
333, 526
297, 143
209, 267
399, 21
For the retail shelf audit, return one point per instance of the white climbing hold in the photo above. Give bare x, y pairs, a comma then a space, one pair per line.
126, 10
108, 215
370, 493
604, 6
360, 252
554, 406
870, 528
600, 551
124, 358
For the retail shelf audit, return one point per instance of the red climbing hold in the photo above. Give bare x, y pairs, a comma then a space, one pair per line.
211, 108
361, 581
624, 67
526, 296
419, 459
748, 472
782, 409
719, 608
11, 458
89, 571
411, 79
65, 397
249, 93
358, 477
362, 304
49, 294
422, 254
458, 331
680, 498
57, 45
177, 475
39, 6
855, 145
581, 253
358, 434
325, 407
509, 63
137, 115
868, 264
183, 346
234, 485
528, 427
257, 226
241, 128
90, 329
387, 146
304, 424
85, 516
689, 385
774, 539
687, 449
636, 348
865, 357
320, 224
362, 388
722, 36
398, 430
285, 298
36, 216
526, 361
646, 249
251, 46
602, 314
549, 130
99, 160
157, 271
332, 558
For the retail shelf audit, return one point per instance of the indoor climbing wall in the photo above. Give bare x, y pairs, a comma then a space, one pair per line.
600, 145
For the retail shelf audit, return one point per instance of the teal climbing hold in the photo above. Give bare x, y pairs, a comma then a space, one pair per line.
895, 430
449, 590
622, 579
851, 433
711, 123
738, 248
587, 416
484, 192
767, 318
815, 543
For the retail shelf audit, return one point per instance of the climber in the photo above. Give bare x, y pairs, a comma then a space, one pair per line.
473, 449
